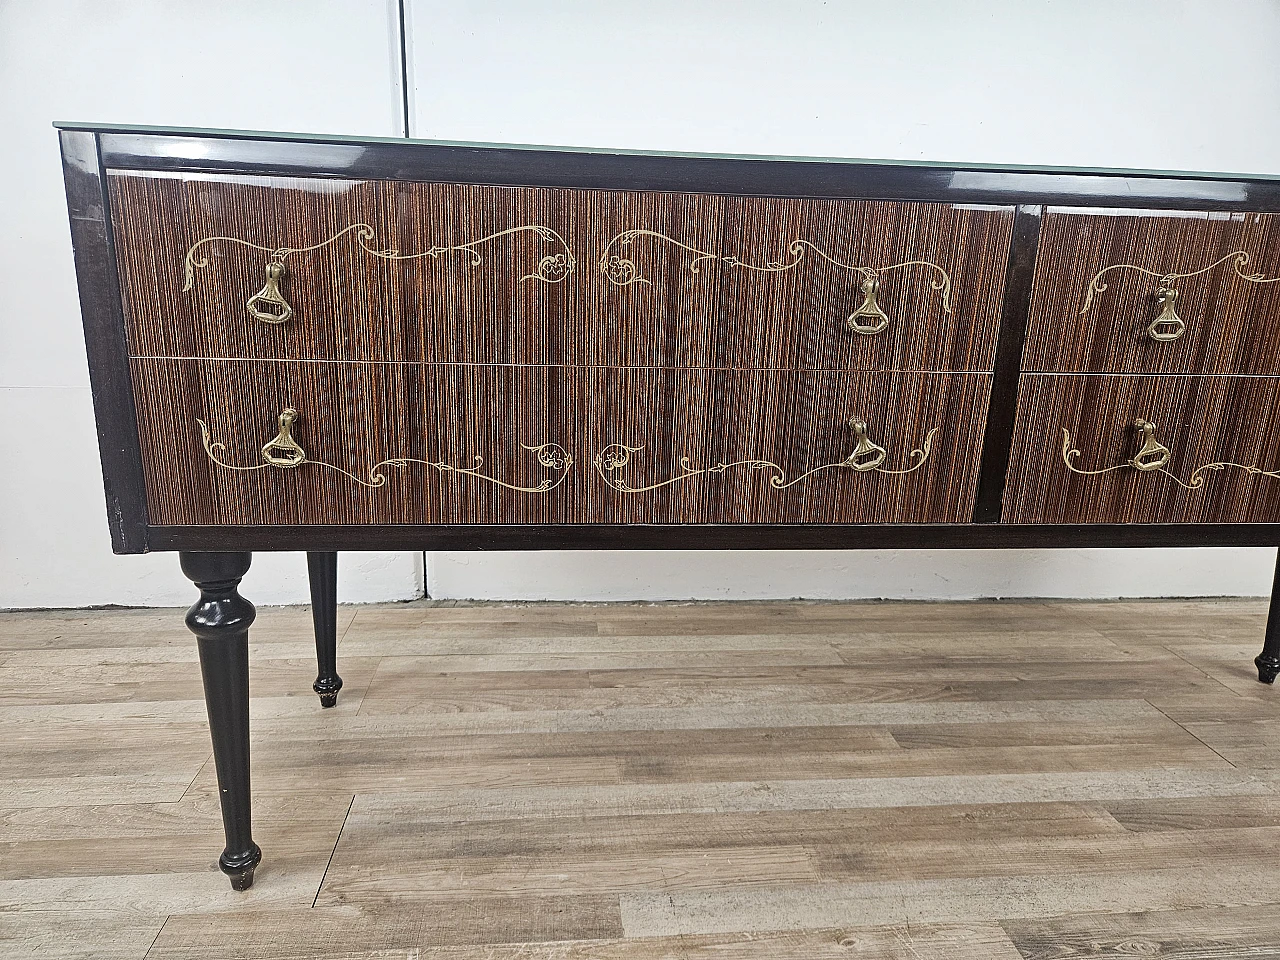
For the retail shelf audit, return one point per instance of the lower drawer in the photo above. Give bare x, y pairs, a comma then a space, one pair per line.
1145, 449
384, 443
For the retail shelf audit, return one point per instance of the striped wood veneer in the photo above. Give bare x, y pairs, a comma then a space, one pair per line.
718, 365
1231, 324
350, 305
1201, 420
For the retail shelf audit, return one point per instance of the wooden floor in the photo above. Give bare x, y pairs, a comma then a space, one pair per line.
794, 781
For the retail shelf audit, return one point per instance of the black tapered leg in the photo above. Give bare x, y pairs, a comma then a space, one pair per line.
220, 620
1268, 661
322, 568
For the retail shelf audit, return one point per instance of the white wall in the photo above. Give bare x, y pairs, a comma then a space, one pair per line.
1158, 83
1166, 84
323, 66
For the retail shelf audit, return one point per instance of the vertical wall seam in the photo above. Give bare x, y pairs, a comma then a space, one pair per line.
404, 69
424, 586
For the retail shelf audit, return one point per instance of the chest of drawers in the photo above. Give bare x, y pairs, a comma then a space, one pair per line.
302, 343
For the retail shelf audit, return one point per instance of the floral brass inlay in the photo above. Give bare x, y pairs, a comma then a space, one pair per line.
866, 457
1152, 458
552, 267
284, 452
621, 270
1168, 325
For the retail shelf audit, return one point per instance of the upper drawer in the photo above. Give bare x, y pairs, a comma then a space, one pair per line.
432, 272
1100, 301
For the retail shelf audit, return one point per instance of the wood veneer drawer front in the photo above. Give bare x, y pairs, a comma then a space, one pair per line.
1096, 293
417, 443
428, 272
1210, 447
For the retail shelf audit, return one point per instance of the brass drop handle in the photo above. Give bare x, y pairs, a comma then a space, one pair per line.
1167, 325
1153, 454
284, 451
870, 310
269, 304
866, 455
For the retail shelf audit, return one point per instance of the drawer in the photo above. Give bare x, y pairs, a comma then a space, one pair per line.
1096, 293
1210, 447
482, 274
444, 443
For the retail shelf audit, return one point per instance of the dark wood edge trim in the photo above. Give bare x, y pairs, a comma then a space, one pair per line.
100, 304
998, 434
711, 536
534, 167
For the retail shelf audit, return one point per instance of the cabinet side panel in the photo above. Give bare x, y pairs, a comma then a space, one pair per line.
104, 334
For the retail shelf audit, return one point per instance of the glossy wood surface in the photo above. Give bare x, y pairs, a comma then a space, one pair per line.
715, 536
220, 619
236, 157
1202, 420
1023, 247
777, 306
248, 152
101, 310
354, 415
1232, 325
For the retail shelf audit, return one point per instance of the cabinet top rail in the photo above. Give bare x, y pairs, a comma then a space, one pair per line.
297, 154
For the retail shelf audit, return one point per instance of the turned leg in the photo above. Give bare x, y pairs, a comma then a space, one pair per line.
1268, 661
220, 620
322, 568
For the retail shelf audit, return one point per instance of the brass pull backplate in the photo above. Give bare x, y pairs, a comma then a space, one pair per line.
1167, 325
1153, 454
866, 455
284, 451
269, 304
870, 310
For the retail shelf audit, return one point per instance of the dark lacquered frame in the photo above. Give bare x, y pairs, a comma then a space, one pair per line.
89, 151
216, 557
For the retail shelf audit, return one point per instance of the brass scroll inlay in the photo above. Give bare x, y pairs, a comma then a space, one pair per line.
552, 267
866, 457
618, 265
1153, 456
285, 452
1168, 325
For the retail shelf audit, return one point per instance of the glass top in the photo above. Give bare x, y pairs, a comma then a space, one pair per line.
332, 138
